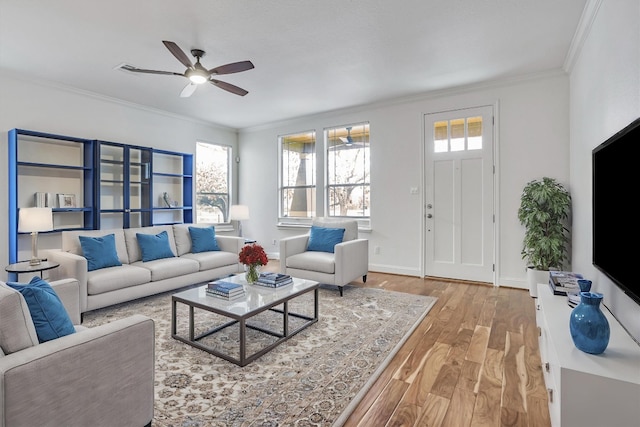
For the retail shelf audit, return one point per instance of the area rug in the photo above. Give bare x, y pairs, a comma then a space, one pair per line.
313, 379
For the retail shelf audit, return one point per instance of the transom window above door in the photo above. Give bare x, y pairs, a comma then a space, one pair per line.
459, 134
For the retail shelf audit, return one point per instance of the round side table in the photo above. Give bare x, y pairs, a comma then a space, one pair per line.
26, 267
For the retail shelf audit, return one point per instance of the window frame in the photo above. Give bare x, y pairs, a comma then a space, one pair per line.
364, 221
295, 220
229, 194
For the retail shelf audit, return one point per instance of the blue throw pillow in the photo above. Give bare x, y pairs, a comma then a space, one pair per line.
323, 239
100, 252
203, 239
154, 246
47, 312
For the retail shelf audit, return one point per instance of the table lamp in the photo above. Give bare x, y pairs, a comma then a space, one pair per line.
239, 213
33, 220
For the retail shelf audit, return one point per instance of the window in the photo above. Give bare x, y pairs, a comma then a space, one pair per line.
298, 176
213, 169
457, 135
348, 166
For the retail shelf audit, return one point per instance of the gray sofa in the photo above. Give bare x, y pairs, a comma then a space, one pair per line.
136, 278
100, 377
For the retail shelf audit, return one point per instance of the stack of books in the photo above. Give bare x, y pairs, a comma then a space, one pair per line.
573, 299
274, 280
225, 290
564, 282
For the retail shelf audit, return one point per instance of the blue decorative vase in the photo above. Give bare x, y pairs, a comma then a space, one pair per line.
588, 325
585, 285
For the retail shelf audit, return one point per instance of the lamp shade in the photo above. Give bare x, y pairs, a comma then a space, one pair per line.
239, 212
35, 219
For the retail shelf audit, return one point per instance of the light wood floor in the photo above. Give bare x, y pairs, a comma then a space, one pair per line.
473, 361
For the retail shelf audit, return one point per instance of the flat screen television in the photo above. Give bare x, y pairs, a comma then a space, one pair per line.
616, 222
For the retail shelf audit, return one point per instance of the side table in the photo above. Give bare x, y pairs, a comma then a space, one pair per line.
26, 267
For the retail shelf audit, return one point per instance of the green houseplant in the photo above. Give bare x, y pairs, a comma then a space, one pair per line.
544, 211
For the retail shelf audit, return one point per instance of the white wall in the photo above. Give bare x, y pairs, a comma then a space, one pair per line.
60, 111
532, 141
605, 97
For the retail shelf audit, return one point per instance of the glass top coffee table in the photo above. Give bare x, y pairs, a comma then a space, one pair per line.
246, 312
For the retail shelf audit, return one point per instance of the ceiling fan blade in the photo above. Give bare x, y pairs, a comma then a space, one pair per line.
188, 90
142, 70
229, 87
234, 67
178, 53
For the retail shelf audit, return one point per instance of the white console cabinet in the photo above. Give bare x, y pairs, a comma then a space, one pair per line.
587, 390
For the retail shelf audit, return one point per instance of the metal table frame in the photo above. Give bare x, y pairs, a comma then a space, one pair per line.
244, 359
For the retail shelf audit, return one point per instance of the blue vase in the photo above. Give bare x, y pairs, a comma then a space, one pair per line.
585, 285
588, 325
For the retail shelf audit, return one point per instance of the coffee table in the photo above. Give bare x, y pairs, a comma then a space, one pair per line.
257, 299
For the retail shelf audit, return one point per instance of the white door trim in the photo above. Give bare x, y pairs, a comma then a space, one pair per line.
496, 187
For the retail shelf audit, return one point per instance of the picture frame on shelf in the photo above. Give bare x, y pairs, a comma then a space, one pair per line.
66, 200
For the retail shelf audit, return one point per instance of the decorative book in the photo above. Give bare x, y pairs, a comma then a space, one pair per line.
563, 282
227, 297
273, 277
223, 288
274, 280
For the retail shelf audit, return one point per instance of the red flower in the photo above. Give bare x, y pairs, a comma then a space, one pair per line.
253, 255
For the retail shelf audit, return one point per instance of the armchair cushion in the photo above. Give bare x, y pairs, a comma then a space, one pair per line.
322, 262
203, 239
154, 246
322, 239
350, 226
47, 311
100, 252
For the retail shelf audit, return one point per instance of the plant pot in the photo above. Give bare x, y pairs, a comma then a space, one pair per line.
534, 277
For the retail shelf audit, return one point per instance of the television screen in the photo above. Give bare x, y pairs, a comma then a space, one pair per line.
616, 223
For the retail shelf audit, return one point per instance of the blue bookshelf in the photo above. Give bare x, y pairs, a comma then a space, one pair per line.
52, 164
114, 185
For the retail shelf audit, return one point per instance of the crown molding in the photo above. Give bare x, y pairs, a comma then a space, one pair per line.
585, 24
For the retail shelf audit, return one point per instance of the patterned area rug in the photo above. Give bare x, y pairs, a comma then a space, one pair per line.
313, 379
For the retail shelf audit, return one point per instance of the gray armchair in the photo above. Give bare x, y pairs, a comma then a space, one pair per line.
348, 262
100, 376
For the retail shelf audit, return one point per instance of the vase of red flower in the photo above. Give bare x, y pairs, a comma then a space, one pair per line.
253, 256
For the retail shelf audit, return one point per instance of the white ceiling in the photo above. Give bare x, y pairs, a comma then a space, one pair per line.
310, 56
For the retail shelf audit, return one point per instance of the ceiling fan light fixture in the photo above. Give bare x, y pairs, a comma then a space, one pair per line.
197, 73
197, 76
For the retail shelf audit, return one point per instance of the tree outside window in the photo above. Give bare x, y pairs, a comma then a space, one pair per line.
348, 171
213, 168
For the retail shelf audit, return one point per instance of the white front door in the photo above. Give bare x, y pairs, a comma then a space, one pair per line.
459, 196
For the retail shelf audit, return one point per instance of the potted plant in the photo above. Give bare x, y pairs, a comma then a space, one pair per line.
544, 211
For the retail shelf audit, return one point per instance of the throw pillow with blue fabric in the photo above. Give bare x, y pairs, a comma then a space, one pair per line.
322, 239
203, 239
154, 246
49, 316
100, 252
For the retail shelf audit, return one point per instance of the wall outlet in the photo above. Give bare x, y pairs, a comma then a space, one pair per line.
274, 242
376, 250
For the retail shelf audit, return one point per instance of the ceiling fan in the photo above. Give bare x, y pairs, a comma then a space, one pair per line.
348, 140
197, 73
